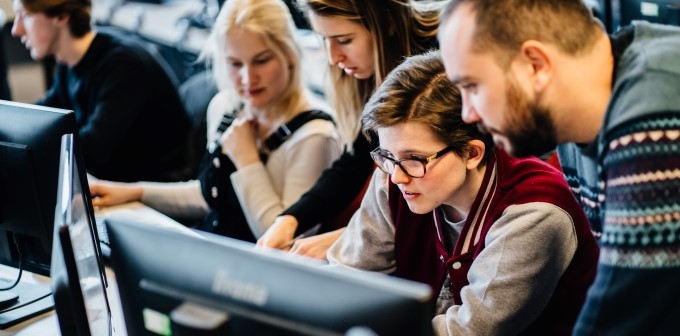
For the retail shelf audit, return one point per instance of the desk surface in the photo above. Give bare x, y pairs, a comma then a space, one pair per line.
46, 318
46, 324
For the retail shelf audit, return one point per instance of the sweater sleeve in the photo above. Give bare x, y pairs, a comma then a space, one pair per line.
336, 188
639, 262
176, 199
512, 279
368, 240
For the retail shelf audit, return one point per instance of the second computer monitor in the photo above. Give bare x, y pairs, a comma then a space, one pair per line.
77, 273
264, 293
30, 143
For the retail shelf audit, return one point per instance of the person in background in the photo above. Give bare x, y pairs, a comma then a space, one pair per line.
364, 40
502, 240
269, 138
131, 123
612, 103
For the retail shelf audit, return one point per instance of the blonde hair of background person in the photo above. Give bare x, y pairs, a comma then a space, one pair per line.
364, 41
263, 189
279, 35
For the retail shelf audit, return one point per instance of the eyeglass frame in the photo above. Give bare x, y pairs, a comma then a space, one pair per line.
424, 161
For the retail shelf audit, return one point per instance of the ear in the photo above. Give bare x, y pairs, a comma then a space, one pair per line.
61, 21
475, 155
539, 61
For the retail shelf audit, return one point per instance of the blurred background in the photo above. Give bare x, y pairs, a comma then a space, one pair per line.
26, 77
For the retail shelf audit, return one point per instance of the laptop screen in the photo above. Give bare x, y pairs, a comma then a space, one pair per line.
89, 278
78, 282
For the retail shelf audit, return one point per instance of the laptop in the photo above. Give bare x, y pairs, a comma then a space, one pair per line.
80, 296
77, 271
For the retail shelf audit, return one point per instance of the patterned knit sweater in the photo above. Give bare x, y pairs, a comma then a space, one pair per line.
628, 182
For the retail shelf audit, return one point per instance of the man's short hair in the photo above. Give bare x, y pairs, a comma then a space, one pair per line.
79, 12
502, 26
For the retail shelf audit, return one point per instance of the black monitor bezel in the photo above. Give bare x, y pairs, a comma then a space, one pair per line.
37, 131
68, 297
159, 271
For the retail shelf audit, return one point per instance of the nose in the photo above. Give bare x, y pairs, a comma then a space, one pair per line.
399, 177
469, 113
248, 76
334, 52
17, 27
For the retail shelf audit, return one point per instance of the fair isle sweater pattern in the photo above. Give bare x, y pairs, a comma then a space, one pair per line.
627, 180
591, 197
642, 219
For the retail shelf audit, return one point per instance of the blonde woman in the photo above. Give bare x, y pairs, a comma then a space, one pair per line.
270, 138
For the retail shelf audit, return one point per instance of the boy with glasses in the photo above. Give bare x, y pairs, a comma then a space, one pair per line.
502, 241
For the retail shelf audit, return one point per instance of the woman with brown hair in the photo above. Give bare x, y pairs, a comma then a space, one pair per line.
364, 41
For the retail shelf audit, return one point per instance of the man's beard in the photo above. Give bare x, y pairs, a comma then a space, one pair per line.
530, 129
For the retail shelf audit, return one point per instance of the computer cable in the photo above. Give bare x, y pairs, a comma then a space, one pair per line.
25, 304
21, 269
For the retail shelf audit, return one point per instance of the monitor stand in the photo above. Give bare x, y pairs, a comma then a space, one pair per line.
7, 299
27, 292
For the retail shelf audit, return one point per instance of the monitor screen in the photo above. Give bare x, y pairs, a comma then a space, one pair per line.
30, 147
30, 141
657, 11
159, 272
77, 273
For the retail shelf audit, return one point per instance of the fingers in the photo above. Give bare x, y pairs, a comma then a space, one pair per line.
279, 234
99, 202
308, 249
95, 188
271, 240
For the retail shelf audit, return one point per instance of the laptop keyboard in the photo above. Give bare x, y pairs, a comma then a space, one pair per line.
100, 222
104, 245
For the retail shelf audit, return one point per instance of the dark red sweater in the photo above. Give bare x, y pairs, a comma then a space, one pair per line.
507, 181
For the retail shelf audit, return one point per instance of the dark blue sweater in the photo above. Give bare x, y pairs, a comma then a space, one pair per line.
131, 122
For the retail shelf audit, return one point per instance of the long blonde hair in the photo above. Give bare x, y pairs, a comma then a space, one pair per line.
399, 28
272, 20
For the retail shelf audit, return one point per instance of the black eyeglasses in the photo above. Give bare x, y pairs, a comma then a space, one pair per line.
413, 167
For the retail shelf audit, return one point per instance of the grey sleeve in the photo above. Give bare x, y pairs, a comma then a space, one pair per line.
512, 279
176, 199
368, 240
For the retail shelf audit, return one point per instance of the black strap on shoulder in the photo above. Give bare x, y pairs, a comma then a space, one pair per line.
286, 130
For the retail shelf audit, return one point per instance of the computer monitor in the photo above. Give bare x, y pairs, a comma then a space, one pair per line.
30, 143
159, 272
77, 273
657, 11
